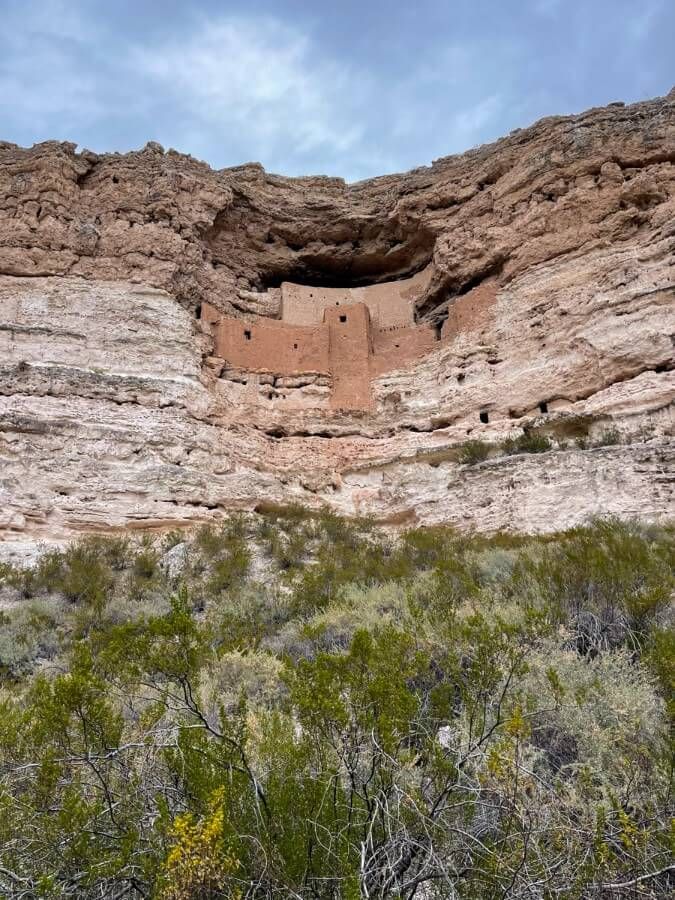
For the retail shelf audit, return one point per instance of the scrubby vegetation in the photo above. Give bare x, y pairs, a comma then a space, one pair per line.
527, 442
302, 707
475, 451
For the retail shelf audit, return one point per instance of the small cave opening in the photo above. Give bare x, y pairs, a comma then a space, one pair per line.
543, 407
438, 330
343, 318
484, 416
198, 311
247, 334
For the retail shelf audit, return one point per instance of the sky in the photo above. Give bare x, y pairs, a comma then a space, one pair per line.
352, 88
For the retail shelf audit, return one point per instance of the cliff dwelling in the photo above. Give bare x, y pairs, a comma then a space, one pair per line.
350, 335
178, 341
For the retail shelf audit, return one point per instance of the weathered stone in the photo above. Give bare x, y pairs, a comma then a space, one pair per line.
527, 283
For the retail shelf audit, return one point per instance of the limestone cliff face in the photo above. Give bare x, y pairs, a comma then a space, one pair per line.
544, 274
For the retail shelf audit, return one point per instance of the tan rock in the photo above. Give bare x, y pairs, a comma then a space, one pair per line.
533, 286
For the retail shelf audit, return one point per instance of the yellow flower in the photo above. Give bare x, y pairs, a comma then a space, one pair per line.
198, 861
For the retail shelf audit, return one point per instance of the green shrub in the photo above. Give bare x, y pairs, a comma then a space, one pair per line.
230, 569
424, 548
29, 632
660, 656
435, 713
528, 442
609, 437
251, 674
80, 573
609, 576
472, 452
11, 576
171, 539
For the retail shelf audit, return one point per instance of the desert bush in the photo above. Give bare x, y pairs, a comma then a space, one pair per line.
248, 614
288, 549
472, 452
144, 575
660, 656
359, 607
30, 632
608, 578
423, 548
607, 707
528, 442
11, 575
226, 552
608, 437
114, 550
80, 573
229, 570
133, 605
354, 554
438, 715
493, 566
215, 540
171, 539
250, 675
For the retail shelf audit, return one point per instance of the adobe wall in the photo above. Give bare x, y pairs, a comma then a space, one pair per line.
349, 342
350, 352
271, 346
390, 303
470, 311
397, 346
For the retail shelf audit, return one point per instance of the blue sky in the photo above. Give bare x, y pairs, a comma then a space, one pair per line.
352, 88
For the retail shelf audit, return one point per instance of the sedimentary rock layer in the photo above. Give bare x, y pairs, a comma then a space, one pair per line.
549, 271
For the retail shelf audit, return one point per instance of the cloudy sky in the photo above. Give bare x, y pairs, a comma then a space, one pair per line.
354, 88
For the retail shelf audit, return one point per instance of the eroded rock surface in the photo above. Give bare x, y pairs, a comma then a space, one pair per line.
544, 274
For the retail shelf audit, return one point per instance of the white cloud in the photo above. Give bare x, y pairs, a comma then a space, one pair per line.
470, 121
262, 77
234, 88
44, 76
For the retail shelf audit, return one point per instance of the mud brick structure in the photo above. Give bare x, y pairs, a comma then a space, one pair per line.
351, 335
348, 334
